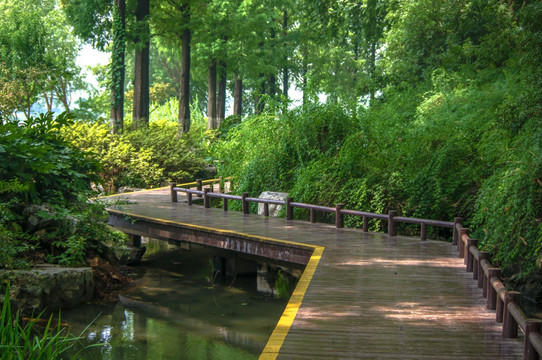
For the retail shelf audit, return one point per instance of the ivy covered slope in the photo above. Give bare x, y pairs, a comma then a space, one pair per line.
455, 131
45, 215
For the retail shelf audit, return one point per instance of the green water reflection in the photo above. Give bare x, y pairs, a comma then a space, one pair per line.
179, 310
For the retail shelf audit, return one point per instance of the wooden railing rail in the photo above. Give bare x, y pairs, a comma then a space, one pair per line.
504, 302
339, 209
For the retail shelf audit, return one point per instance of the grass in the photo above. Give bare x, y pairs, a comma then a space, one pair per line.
24, 340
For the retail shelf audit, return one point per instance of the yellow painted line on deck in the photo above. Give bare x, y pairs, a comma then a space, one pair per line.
276, 340
132, 192
210, 229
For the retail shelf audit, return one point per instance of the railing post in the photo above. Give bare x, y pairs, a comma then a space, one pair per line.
391, 223
529, 351
289, 209
470, 256
339, 220
244, 203
365, 224
423, 232
173, 192
474, 268
265, 209
189, 198
483, 255
206, 199
499, 309
225, 204
461, 244
455, 234
491, 301
509, 325
312, 216
199, 185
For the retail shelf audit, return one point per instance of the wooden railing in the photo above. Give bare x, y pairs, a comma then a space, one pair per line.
392, 219
504, 302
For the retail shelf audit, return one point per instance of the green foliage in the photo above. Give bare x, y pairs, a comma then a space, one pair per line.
43, 194
41, 164
146, 156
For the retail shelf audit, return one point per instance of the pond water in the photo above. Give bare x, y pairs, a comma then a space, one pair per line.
181, 308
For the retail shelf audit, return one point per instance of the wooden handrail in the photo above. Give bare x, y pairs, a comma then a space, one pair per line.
339, 210
504, 302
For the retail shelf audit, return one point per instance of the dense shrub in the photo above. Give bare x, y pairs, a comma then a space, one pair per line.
145, 157
448, 152
44, 187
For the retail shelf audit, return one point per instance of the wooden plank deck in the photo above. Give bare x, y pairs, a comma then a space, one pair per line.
368, 296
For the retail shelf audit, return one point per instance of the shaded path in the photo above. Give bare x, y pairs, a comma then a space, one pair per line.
371, 296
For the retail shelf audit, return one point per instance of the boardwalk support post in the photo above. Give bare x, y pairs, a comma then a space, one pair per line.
199, 185
173, 192
391, 223
339, 220
289, 209
225, 204
365, 224
509, 325
491, 301
135, 240
206, 199
529, 351
189, 198
265, 209
244, 202
312, 216
455, 234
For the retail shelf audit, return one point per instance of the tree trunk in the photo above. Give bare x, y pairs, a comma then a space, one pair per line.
285, 76
117, 68
184, 93
259, 102
48, 100
211, 99
61, 91
221, 96
272, 85
238, 96
140, 115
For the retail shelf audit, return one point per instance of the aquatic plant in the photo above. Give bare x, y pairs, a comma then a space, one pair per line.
22, 339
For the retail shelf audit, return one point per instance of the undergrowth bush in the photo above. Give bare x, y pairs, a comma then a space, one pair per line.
44, 191
145, 157
450, 151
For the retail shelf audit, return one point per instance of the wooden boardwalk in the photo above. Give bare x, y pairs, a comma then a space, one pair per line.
363, 295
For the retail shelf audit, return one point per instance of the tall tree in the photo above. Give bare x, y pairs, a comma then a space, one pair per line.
141, 69
37, 56
184, 92
117, 67
221, 93
173, 23
211, 99
99, 22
